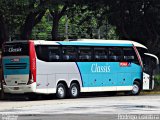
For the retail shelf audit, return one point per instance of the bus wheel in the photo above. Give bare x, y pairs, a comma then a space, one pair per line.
136, 88
74, 90
61, 91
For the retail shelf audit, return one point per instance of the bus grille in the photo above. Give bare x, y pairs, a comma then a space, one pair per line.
16, 66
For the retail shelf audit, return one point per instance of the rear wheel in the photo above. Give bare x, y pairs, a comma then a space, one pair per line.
61, 91
74, 90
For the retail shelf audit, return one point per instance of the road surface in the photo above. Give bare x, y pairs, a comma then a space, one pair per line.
101, 107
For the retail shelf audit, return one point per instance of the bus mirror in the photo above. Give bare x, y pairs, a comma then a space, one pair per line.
153, 57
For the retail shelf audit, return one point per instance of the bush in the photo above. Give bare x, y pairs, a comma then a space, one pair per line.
157, 82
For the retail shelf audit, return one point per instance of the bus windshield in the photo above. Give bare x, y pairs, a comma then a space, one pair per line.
151, 63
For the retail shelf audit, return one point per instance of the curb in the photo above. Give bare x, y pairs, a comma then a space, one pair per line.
150, 92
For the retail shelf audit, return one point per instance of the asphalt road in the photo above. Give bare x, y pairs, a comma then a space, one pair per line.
143, 107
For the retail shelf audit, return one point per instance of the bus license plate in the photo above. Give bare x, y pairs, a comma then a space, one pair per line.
16, 88
15, 60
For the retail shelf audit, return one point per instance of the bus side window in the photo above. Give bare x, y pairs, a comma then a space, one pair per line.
69, 53
115, 54
48, 53
54, 53
85, 53
42, 52
130, 55
100, 54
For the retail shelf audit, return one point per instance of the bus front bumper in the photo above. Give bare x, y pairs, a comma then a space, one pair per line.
21, 89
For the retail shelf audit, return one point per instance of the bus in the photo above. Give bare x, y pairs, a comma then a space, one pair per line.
68, 68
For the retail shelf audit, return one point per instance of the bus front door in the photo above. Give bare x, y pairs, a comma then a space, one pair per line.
149, 67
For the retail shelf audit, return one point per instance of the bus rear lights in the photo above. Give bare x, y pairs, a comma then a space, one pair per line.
30, 81
3, 82
31, 78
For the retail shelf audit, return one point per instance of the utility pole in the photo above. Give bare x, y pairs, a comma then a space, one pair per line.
66, 28
99, 33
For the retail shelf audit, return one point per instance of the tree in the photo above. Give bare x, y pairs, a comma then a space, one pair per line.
57, 14
12, 16
42, 29
3, 31
9, 18
90, 20
137, 20
36, 10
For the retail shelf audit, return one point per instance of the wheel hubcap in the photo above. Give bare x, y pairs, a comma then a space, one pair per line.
61, 91
74, 91
135, 89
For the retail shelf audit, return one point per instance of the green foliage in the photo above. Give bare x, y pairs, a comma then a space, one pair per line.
80, 23
13, 12
157, 82
88, 22
138, 20
42, 30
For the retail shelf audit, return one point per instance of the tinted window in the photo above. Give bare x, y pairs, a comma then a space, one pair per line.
48, 53
69, 53
115, 54
142, 51
85, 53
100, 54
15, 49
130, 55
54, 53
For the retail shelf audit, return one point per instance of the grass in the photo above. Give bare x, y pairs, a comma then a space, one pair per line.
157, 82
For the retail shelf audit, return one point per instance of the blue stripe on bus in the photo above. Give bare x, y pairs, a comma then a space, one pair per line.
79, 72
93, 44
96, 74
16, 68
59, 43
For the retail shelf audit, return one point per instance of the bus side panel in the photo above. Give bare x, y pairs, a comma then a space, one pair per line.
51, 83
50, 73
41, 83
110, 75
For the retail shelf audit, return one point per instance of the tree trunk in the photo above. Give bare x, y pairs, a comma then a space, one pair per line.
26, 32
31, 20
4, 36
55, 29
56, 17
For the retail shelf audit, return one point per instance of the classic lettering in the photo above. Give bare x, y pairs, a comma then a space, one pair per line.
14, 49
100, 68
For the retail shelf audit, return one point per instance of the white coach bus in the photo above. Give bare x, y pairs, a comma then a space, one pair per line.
66, 68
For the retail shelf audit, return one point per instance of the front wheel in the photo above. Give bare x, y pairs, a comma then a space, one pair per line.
61, 91
74, 90
136, 88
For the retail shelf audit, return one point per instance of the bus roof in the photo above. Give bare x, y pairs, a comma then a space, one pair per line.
92, 42
98, 42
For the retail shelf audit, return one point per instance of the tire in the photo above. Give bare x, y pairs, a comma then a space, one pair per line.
136, 88
74, 90
61, 91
